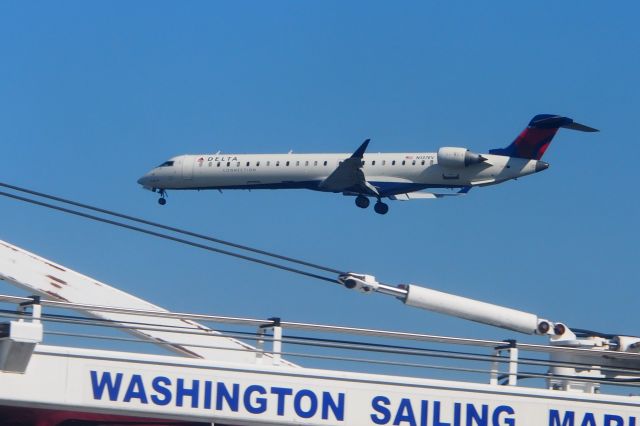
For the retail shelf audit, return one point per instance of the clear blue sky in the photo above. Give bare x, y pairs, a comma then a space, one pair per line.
93, 94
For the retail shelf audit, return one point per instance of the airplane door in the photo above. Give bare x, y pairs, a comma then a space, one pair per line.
188, 163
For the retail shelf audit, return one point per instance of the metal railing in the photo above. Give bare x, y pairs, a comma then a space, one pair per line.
338, 347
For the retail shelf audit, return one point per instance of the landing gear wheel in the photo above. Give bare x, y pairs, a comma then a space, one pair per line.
362, 201
162, 201
381, 208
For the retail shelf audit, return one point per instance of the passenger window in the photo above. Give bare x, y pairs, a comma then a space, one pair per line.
248, 163
277, 163
403, 162
431, 163
315, 163
287, 164
238, 164
393, 163
218, 164
325, 163
373, 163
362, 162
423, 162
384, 162
413, 163
268, 163
297, 163
210, 163
228, 164
306, 163
257, 164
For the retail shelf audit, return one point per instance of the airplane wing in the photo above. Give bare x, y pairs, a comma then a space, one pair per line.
427, 195
348, 176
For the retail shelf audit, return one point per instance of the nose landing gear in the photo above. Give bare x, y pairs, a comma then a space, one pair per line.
162, 200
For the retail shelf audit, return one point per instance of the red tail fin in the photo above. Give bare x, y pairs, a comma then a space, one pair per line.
535, 139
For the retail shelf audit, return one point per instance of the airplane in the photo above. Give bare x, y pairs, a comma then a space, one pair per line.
396, 176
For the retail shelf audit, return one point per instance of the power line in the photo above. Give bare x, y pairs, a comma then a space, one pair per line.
170, 228
169, 237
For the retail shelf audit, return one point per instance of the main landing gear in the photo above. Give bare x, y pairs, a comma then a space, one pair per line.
362, 201
379, 207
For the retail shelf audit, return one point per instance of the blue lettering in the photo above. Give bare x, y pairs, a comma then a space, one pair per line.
436, 415
337, 408
313, 403
207, 394
632, 421
554, 418
474, 417
191, 392
588, 420
261, 406
405, 413
456, 414
282, 393
424, 411
105, 381
159, 386
378, 404
136, 390
508, 421
610, 418
232, 399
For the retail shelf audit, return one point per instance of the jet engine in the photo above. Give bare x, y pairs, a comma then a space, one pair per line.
458, 158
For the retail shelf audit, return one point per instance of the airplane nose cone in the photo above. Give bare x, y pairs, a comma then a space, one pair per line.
541, 165
145, 180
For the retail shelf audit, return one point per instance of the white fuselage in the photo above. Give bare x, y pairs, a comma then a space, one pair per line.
391, 173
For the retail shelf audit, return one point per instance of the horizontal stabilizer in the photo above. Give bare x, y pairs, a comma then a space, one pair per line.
549, 121
580, 127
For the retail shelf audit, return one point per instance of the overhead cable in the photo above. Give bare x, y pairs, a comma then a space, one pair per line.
168, 237
170, 228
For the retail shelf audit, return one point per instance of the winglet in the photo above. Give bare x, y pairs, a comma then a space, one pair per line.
361, 149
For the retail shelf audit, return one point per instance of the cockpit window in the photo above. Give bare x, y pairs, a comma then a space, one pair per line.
166, 164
